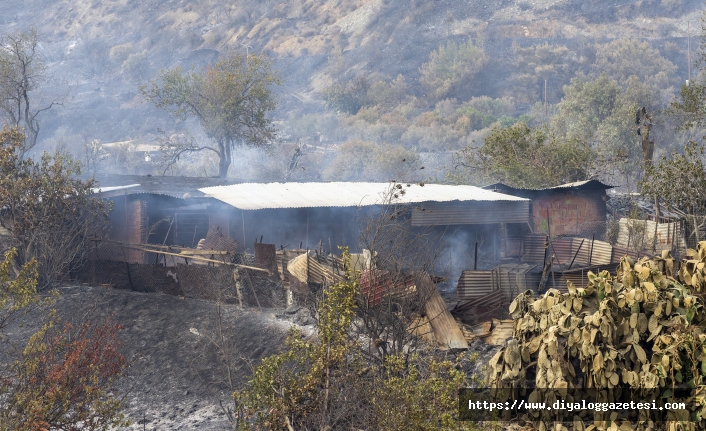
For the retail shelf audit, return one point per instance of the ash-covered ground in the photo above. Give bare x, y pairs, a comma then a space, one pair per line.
174, 381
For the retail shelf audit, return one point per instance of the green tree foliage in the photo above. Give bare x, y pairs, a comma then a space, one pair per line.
327, 383
555, 63
18, 294
349, 97
678, 180
367, 161
623, 58
231, 101
389, 95
451, 68
688, 109
51, 215
585, 106
64, 376
602, 112
522, 157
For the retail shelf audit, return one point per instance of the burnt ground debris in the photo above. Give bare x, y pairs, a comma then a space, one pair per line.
174, 381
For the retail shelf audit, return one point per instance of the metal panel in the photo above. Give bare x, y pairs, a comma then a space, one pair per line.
514, 279
435, 214
648, 234
578, 185
533, 247
602, 253
252, 196
619, 252
474, 284
561, 249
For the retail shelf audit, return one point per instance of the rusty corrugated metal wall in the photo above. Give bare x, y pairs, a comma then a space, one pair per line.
533, 246
474, 284
455, 213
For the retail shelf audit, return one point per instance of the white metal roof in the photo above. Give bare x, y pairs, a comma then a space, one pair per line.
254, 196
113, 188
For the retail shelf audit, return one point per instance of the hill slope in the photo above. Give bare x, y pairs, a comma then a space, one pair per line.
105, 50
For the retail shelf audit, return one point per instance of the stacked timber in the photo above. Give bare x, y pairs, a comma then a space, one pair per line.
308, 269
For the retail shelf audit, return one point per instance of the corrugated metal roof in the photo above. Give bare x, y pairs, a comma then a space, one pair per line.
455, 213
594, 184
113, 189
254, 196
577, 185
178, 187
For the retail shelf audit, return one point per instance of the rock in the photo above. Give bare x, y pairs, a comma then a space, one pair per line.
292, 309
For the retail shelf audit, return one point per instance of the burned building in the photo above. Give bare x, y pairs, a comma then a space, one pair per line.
306, 213
573, 209
160, 210
179, 211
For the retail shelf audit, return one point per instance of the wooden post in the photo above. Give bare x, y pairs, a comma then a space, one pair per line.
238, 291
475, 257
127, 268
576, 254
590, 254
93, 263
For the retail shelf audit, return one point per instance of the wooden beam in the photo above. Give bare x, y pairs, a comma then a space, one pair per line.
201, 259
446, 330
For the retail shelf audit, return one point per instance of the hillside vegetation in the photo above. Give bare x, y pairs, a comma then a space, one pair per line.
412, 79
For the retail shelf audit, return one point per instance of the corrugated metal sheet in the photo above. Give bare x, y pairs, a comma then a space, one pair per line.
253, 196
434, 214
648, 234
483, 308
474, 284
602, 253
533, 247
307, 269
578, 185
490, 300
583, 185
582, 251
178, 187
561, 249
375, 285
514, 279
619, 252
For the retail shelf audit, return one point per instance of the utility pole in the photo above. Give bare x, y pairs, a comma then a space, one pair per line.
688, 49
643, 121
247, 52
545, 98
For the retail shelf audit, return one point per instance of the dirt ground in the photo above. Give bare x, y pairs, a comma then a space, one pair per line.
174, 381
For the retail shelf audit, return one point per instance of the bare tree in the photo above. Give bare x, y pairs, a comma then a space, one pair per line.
93, 155
22, 73
390, 302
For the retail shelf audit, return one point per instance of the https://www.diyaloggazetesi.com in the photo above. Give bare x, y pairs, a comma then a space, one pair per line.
520, 405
